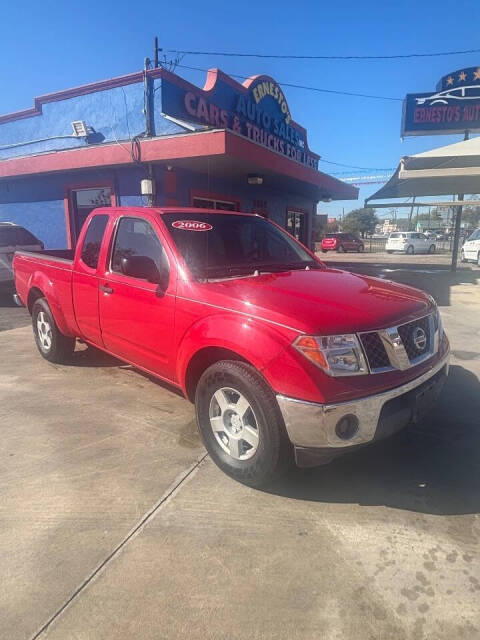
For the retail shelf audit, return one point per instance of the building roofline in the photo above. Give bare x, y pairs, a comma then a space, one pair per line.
179, 146
92, 87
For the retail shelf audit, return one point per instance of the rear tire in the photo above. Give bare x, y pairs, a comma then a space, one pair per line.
388, 251
53, 345
361, 249
431, 249
463, 259
341, 249
410, 250
233, 400
324, 251
478, 259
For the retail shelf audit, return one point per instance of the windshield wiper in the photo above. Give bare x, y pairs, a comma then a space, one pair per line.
287, 266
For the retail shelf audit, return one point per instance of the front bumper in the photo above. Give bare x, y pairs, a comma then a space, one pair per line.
313, 426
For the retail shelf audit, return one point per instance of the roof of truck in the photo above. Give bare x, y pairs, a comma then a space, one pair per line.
163, 210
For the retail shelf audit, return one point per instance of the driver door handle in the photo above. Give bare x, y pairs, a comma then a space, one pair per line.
106, 289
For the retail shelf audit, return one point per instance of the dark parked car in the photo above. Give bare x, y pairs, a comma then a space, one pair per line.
341, 242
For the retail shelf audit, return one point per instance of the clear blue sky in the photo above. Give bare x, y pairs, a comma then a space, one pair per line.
52, 45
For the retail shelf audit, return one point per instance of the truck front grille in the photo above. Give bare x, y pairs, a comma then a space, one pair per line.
400, 347
375, 351
409, 334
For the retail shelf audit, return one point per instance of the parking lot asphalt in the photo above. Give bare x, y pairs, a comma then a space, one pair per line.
115, 524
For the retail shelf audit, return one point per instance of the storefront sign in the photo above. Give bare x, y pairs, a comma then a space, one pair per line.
257, 110
453, 108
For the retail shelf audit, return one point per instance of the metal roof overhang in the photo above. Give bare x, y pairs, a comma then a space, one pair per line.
453, 169
220, 153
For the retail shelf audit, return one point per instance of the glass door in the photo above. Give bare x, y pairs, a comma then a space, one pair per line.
296, 225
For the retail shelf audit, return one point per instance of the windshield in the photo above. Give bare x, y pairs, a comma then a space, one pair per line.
217, 245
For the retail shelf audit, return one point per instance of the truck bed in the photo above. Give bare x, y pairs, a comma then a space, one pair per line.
61, 254
50, 272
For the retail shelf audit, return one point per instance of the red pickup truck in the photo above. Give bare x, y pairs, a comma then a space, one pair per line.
283, 357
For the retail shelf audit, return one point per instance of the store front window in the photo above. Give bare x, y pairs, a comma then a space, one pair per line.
83, 201
211, 203
297, 224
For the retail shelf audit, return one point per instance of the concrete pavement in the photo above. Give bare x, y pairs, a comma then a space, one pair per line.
114, 527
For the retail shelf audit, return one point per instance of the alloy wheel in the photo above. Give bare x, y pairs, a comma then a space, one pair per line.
233, 423
44, 331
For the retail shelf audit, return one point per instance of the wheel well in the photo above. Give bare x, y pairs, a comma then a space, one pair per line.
203, 359
33, 295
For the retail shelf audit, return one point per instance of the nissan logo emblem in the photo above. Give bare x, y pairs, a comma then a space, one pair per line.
419, 338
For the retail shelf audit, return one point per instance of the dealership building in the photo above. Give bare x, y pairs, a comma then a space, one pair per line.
153, 138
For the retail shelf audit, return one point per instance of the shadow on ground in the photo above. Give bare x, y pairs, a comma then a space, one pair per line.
436, 280
430, 468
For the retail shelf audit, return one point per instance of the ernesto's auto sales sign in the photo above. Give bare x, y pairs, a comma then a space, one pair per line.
453, 108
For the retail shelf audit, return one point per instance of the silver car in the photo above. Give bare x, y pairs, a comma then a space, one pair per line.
13, 237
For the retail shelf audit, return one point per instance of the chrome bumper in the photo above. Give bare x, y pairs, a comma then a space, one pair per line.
313, 425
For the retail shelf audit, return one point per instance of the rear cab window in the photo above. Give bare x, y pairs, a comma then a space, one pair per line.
93, 240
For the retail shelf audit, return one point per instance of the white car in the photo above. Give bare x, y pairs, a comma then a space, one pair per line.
460, 93
13, 237
471, 248
409, 242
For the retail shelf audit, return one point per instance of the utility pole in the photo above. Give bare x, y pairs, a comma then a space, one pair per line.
458, 222
411, 214
156, 50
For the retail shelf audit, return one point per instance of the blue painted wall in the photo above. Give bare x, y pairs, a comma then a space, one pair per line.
116, 114
37, 203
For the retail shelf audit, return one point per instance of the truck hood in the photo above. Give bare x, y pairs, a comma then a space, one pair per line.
319, 301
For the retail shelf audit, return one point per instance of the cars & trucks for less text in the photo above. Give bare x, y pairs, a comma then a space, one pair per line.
283, 357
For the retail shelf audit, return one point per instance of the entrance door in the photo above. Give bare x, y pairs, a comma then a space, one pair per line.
296, 225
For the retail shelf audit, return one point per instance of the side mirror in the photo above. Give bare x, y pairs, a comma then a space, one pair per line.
145, 268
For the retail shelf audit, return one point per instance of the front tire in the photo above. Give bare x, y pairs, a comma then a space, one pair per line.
478, 259
53, 345
341, 249
431, 249
240, 422
389, 251
361, 248
409, 250
463, 258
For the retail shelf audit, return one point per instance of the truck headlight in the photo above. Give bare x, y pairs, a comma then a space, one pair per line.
437, 321
336, 355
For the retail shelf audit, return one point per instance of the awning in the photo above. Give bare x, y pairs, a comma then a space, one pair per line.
447, 170
221, 153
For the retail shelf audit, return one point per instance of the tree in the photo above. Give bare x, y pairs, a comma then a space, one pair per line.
360, 221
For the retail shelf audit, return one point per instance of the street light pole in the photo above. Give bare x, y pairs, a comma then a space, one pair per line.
458, 222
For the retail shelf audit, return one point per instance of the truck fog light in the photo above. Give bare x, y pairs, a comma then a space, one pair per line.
347, 427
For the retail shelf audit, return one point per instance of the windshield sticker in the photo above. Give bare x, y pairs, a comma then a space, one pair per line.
192, 225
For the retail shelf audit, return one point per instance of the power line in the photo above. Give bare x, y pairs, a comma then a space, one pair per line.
299, 86
296, 57
351, 166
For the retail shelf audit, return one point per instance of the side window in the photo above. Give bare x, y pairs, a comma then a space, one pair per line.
93, 241
7, 237
136, 237
25, 237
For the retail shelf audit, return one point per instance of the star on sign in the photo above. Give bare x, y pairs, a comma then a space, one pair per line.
462, 76
449, 80
476, 74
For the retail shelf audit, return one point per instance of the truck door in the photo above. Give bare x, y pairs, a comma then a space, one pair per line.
85, 280
137, 316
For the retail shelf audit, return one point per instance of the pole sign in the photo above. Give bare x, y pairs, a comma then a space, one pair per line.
453, 108
256, 109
